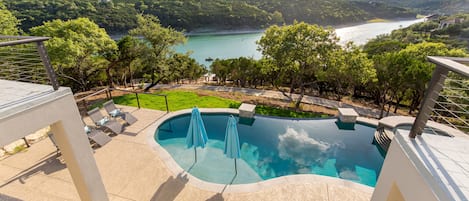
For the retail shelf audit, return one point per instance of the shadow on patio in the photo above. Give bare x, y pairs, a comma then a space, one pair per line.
47, 165
170, 189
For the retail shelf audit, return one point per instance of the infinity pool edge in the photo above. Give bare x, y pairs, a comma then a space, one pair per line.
180, 173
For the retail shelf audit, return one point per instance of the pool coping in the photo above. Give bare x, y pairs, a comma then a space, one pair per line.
180, 173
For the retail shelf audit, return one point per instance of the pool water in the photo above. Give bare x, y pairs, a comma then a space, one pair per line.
274, 147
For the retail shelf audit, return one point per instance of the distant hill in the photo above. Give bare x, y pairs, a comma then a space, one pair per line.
118, 16
431, 6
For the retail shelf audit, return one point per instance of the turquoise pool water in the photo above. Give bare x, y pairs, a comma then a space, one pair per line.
274, 147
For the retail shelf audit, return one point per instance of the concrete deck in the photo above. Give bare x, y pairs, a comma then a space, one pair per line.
133, 170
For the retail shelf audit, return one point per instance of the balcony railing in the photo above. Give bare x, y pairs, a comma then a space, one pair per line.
447, 97
25, 59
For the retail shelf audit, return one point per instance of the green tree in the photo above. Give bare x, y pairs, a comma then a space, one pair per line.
184, 67
391, 84
419, 70
348, 68
297, 52
8, 22
156, 47
221, 68
120, 59
76, 50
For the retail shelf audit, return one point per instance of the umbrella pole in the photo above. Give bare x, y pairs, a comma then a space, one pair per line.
195, 154
236, 168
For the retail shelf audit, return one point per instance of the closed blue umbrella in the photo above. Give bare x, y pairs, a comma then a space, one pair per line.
196, 135
232, 140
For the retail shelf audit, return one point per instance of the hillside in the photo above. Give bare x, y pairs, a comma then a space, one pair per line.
119, 15
431, 6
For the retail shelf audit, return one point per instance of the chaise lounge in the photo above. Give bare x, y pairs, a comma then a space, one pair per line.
98, 136
104, 123
114, 112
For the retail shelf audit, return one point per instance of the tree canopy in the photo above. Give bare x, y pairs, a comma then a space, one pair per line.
76, 48
156, 54
119, 16
8, 22
298, 52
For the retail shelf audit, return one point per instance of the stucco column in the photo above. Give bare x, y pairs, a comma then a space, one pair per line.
77, 153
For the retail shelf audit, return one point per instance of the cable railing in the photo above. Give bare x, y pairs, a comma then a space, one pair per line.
446, 99
25, 59
452, 105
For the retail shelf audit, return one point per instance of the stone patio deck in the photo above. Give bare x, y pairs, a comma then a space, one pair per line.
132, 170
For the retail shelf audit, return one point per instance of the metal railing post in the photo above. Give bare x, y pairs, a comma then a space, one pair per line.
108, 91
110, 94
138, 101
433, 91
166, 101
46, 61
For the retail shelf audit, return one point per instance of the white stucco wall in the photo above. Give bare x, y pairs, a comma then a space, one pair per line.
405, 172
57, 109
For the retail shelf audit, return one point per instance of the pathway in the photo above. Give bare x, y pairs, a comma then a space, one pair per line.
363, 111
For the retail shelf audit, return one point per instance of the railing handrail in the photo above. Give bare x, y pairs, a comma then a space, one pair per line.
138, 101
451, 63
93, 94
21, 40
123, 90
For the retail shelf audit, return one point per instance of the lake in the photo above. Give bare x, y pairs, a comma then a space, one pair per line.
226, 45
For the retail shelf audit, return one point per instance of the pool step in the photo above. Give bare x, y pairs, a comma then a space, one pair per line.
384, 137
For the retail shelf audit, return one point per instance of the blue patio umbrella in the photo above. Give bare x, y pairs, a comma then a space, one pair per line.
196, 135
232, 140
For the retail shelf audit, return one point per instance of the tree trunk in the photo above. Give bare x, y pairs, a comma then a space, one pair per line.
398, 102
382, 103
389, 105
415, 102
298, 101
108, 74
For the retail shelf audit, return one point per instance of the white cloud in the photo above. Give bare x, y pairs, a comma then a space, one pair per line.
298, 146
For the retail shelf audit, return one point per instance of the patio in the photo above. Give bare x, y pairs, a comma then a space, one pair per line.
132, 170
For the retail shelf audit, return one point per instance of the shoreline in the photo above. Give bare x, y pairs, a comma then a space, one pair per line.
221, 31
215, 31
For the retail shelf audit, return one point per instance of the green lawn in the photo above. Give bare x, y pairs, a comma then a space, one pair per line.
178, 100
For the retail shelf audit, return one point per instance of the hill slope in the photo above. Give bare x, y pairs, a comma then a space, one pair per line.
119, 15
432, 6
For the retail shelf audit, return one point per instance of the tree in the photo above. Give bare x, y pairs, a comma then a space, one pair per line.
184, 67
8, 22
121, 58
76, 50
347, 68
391, 84
297, 51
404, 74
419, 70
156, 47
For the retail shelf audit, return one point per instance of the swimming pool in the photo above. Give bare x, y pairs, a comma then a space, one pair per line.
274, 147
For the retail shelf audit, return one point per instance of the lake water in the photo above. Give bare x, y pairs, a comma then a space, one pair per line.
232, 45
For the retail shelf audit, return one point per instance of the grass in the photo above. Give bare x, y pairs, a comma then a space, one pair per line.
178, 100
280, 112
